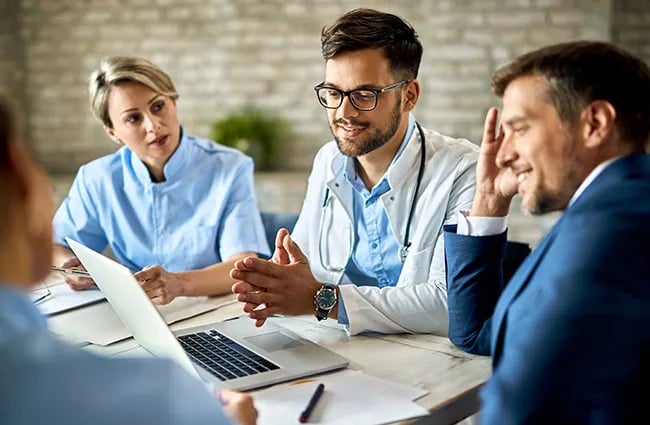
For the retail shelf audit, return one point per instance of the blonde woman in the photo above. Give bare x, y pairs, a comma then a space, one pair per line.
176, 209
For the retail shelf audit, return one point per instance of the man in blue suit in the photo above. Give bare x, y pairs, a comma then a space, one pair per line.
570, 333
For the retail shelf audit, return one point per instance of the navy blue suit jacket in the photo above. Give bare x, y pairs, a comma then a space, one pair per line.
570, 333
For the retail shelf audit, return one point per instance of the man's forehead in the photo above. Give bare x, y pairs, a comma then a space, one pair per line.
524, 97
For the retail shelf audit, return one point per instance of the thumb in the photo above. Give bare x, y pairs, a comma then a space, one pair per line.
145, 274
294, 251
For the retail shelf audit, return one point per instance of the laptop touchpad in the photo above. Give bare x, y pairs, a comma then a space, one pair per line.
274, 341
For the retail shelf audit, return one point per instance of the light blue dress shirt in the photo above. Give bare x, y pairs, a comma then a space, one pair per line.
46, 381
203, 213
374, 260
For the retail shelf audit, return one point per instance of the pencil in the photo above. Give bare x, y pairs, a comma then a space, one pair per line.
75, 272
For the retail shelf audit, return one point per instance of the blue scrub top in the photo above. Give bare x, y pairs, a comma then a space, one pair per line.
205, 211
46, 381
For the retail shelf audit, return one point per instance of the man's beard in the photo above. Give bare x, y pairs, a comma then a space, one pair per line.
373, 141
544, 200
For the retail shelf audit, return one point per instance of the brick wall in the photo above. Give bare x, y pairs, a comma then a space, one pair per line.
631, 26
11, 62
226, 54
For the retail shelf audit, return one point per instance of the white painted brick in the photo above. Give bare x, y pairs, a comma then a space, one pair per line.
226, 54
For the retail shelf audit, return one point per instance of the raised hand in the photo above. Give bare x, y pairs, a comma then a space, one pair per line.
495, 186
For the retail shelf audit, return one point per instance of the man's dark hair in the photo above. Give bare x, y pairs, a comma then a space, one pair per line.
582, 72
370, 29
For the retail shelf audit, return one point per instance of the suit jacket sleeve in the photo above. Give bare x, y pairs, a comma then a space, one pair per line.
578, 347
474, 283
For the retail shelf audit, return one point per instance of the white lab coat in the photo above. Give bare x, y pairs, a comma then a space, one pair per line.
418, 303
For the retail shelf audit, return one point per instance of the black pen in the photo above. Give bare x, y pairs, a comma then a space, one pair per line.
304, 416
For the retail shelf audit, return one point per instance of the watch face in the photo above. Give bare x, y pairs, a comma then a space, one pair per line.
326, 298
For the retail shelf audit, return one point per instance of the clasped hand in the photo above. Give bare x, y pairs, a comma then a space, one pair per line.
283, 285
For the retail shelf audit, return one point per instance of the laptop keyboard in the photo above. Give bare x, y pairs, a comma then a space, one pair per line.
222, 356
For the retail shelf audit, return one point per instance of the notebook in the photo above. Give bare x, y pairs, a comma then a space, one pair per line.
231, 354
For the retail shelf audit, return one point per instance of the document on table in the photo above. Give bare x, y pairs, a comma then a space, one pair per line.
98, 324
350, 397
63, 298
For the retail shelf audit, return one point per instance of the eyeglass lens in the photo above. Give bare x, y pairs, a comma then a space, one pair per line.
364, 100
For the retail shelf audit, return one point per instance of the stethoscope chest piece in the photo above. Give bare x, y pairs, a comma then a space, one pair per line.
402, 253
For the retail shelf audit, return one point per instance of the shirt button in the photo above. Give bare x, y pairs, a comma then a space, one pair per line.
373, 245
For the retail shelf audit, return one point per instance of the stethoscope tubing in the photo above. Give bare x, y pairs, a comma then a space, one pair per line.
403, 250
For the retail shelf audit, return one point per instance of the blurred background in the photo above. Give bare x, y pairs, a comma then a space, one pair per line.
229, 56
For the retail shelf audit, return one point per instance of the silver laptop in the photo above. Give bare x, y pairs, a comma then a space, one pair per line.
232, 354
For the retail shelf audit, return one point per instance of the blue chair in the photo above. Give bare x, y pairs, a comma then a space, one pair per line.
275, 221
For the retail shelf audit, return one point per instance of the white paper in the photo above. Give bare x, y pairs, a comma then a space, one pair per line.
350, 397
64, 298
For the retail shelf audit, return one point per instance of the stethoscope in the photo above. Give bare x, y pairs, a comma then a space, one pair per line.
403, 251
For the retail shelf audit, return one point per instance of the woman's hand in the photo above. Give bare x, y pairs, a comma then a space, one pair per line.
160, 285
78, 283
239, 407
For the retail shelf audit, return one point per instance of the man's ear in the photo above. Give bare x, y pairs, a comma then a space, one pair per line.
411, 95
599, 123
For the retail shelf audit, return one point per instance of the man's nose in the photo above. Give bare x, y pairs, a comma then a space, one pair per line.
347, 109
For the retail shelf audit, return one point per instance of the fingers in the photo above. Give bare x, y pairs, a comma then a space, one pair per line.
79, 283
490, 126
294, 251
239, 407
257, 298
241, 287
280, 255
257, 272
147, 273
261, 314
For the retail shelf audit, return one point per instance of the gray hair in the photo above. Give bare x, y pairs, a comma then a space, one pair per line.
114, 70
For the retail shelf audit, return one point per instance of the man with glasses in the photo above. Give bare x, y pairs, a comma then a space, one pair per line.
367, 247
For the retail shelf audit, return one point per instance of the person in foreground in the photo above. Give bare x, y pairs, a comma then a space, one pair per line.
367, 247
47, 381
176, 209
567, 334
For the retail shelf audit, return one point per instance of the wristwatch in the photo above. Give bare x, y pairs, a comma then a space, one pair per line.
325, 300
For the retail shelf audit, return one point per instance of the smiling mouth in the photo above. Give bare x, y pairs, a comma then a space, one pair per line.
522, 176
350, 130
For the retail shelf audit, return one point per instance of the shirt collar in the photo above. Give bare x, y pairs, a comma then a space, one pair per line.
590, 178
173, 167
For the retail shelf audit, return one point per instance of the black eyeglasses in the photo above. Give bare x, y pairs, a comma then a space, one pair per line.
361, 99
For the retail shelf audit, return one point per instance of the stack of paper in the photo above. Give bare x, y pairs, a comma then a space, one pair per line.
350, 397
63, 298
98, 324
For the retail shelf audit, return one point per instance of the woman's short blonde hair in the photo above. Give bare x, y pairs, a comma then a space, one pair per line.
114, 70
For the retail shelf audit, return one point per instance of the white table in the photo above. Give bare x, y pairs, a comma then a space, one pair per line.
451, 376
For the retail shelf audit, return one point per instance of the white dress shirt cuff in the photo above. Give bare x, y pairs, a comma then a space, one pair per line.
480, 226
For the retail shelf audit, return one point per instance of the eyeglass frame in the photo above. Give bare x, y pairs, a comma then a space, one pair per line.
347, 94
